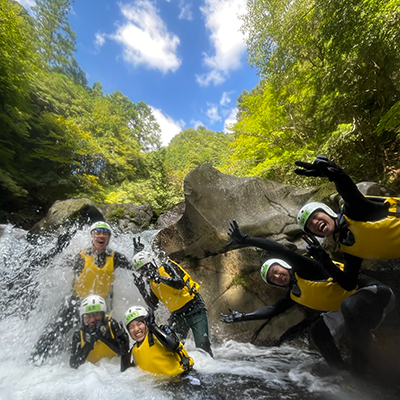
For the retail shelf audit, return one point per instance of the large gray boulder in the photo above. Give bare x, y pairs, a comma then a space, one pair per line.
213, 199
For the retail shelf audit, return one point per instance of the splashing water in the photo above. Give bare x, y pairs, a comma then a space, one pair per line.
31, 295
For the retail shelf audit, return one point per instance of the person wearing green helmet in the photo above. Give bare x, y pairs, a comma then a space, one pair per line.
157, 349
94, 274
100, 335
307, 282
174, 287
365, 227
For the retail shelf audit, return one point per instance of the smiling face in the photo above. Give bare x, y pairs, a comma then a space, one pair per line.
321, 224
138, 330
92, 318
278, 275
100, 240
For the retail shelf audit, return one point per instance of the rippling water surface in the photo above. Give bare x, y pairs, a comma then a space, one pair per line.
31, 295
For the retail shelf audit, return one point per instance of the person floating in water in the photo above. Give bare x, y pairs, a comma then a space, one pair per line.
173, 286
157, 349
365, 228
94, 274
307, 282
100, 335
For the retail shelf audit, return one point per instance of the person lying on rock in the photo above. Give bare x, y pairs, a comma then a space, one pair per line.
157, 349
365, 228
173, 286
100, 335
309, 283
94, 274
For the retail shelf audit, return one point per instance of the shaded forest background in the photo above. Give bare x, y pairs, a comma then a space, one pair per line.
329, 84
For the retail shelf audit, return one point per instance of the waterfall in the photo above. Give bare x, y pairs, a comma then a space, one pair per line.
32, 288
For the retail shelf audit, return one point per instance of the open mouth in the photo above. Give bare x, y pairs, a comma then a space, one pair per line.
321, 226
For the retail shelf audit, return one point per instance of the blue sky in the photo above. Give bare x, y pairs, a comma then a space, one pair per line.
185, 58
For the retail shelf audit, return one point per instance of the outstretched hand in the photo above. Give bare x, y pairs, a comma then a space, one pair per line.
236, 235
137, 246
234, 316
321, 167
314, 248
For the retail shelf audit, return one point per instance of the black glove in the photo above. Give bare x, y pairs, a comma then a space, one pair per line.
314, 249
321, 167
90, 335
234, 316
236, 235
122, 338
150, 320
137, 246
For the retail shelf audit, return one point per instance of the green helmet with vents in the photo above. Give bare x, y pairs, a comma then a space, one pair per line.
133, 313
309, 209
93, 303
268, 264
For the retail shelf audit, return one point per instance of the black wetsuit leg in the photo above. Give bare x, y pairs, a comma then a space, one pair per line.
363, 312
53, 339
322, 338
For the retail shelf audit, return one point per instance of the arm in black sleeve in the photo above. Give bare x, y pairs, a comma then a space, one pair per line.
78, 353
150, 299
270, 311
120, 343
126, 361
120, 261
175, 281
166, 336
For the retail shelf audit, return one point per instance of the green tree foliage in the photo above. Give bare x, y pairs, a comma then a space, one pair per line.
332, 70
56, 38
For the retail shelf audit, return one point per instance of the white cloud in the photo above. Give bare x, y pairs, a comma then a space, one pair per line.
212, 113
196, 123
100, 39
26, 3
230, 120
145, 38
169, 127
223, 23
186, 12
225, 99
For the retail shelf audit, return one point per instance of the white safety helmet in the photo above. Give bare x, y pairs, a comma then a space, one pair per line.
133, 313
268, 264
141, 259
101, 225
93, 303
307, 210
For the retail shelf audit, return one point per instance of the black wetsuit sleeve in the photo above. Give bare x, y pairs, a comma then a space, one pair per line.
120, 343
175, 281
148, 296
78, 353
356, 206
270, 311
126, 361
120, 261
78, 264
166, 336
304, 266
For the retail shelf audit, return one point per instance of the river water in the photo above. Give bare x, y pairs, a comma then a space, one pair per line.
31, 294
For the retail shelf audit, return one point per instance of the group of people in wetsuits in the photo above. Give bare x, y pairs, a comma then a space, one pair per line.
351, 303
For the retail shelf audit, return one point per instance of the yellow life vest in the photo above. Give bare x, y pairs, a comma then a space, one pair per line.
100, 349
95, 280
321, 295
157, 359
174, 299
376, 239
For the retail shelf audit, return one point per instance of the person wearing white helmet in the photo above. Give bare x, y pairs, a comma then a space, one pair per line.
157, 349
174, 287
356, 311
100, 335
365, 227
94, 273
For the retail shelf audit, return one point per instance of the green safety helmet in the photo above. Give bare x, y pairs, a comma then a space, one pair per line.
101, 225
93, 303
141, 259
309, 209
268, 264
133, 313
